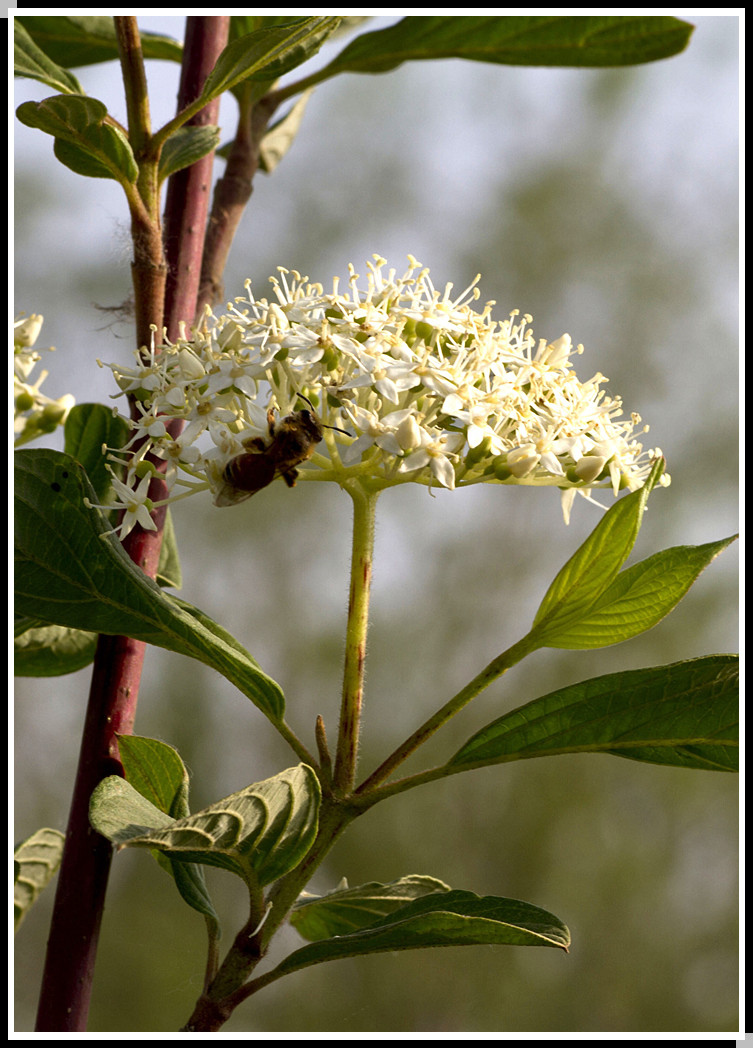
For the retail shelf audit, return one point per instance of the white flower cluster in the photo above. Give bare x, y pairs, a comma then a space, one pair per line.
34, 414
428, 389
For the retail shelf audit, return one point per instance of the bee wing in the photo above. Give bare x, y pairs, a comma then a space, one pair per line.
243, 477
230, 496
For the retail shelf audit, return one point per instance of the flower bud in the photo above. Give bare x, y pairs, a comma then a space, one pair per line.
590, 468
190, 365
408, 434
501, 470
522, 461
480, 451
26, 330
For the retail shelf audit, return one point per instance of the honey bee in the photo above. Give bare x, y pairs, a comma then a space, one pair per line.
292, 440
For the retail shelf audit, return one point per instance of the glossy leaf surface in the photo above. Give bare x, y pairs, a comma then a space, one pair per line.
84, 141
71, 572
530, 40
684, 715
347, 910
453, 918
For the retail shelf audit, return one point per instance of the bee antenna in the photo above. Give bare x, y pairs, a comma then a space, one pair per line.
304, 397
326, 426
338, 429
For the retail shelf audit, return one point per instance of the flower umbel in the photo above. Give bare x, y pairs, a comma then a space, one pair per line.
429, 389
34, 413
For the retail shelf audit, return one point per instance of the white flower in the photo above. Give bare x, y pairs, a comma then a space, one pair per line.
392, 433
34, 414
132, 497
26, 330
430, 388
437, 451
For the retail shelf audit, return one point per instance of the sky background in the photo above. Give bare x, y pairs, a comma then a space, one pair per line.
604, 203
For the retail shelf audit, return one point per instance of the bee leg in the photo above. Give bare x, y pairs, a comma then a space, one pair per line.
289, 476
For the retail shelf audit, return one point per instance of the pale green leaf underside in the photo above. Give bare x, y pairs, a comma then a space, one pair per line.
37, 858
157, 771
51, 651
259, 833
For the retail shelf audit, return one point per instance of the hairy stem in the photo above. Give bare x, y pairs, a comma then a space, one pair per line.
364, 507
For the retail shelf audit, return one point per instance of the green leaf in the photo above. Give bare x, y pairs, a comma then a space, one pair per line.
51, 651
259, 833
71, 571
453, 918
591, 569
350, 909
245, 25
541, 40
85, 40
84, 161
169, 572
640, 596
249, 91
84, 142
158, 773
280, 137
192, 886
267, 53
684, 715
30, 61
37, 859
185, 146
119, 812
87, 428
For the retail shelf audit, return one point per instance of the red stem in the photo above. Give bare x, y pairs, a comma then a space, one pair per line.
82, 881
187, 204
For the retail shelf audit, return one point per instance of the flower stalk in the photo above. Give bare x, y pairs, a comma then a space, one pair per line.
364, 509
